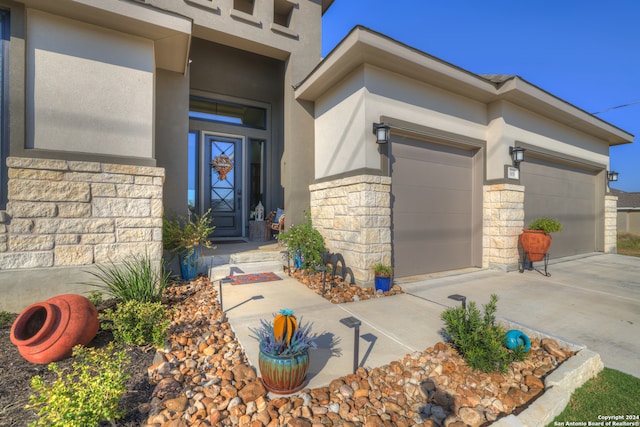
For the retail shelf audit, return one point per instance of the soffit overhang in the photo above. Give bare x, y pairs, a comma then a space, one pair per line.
364, 46
170, 33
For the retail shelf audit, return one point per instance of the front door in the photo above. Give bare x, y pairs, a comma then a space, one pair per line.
223, 183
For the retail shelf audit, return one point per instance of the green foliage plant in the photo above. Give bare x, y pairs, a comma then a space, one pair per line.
382, 270
478, 338
136, 279
5, 318
181, 234
138, 323
95, 297
85, 395
271, 335
546, 224
303, 239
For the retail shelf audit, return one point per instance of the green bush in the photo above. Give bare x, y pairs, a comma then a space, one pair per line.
548, 225
138, 323
84, 396
478, 338
306, 241
135, 280
5, 318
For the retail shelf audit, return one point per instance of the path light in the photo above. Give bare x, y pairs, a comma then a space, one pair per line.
517, 155
381, 131
220, 282
461, 298
612, 176
352, 322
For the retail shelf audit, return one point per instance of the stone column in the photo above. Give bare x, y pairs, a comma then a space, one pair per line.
610, 224
354, 216
503, 220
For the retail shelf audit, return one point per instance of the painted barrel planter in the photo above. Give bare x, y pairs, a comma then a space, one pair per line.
535, 243
47, 331
283, 374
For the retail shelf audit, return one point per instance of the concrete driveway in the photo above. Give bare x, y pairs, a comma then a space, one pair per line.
591, 300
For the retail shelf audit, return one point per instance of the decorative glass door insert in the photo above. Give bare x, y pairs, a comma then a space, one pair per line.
225, 183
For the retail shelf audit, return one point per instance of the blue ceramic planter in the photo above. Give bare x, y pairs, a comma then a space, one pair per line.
382, 283
189, 264
283, 374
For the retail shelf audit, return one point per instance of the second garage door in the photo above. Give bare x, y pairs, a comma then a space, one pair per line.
569, 194
436, 204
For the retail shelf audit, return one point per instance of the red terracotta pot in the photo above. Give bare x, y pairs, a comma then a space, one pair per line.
47, 331
535, 243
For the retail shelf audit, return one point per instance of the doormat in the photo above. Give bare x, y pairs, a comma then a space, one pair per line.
244, 279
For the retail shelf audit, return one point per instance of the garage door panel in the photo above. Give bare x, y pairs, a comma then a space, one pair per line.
444, 200
432, 198
566, 193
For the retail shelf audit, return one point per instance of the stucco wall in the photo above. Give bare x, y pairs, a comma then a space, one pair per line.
345, 115
511, 125
89, 89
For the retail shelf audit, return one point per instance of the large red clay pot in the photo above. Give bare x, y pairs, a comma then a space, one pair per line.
47, 331
535, 243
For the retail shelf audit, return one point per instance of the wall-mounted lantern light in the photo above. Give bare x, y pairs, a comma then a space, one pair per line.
517, 155
381, 131
612, 176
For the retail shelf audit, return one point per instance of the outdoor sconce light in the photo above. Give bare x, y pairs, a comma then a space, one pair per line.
517, 155
612, 176
381, 131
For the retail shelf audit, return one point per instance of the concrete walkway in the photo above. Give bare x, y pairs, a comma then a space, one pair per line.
591, 300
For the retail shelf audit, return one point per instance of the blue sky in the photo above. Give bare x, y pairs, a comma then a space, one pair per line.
585, 52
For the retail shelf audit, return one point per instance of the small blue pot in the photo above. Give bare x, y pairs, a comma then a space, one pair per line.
189, 264
383, 283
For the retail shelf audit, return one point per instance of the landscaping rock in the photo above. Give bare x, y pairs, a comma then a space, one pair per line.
203, 378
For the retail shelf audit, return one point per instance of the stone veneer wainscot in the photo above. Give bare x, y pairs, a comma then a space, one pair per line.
70, 213
354, 216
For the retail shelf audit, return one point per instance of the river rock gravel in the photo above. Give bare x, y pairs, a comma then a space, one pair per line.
202, 378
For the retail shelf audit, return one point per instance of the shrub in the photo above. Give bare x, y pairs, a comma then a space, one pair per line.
181, 234
478, 338
548, 225
95, 297
135, 280
84, 396
138, 323
306, 241
5, 318
382, 270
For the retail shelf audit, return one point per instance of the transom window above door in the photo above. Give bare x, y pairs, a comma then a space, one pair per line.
225, 112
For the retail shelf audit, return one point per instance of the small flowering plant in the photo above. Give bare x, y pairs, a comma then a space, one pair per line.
283, 336
304, 241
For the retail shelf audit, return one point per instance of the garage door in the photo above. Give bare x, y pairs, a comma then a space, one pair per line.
433, 198
566, 193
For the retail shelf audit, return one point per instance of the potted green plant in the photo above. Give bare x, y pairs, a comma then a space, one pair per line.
183, 236
284, 352
304, 243
382, 273
536, 239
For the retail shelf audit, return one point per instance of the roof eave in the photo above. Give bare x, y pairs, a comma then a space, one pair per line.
364, 46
